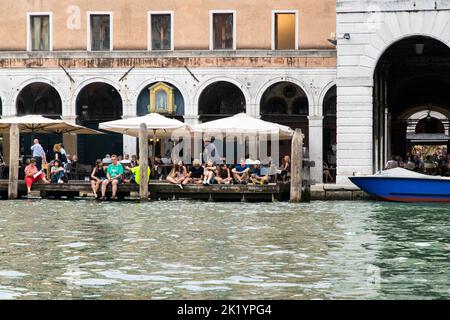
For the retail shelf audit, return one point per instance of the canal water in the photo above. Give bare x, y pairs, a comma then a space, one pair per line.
204, 250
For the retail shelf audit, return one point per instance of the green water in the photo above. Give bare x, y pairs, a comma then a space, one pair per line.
203, 250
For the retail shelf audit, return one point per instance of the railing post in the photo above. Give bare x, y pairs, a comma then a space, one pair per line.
13, 189
296, 166
143, 162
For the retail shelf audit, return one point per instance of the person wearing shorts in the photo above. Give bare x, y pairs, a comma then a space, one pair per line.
114, 175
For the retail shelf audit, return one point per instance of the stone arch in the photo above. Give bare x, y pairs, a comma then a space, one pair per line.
323, 94
82, 85
212, 80
397, 28
98, 102
47, 81
262, 89
226, 99
39, 98
175, 84
146, 82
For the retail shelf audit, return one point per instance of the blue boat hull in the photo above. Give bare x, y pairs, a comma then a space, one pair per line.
405, 189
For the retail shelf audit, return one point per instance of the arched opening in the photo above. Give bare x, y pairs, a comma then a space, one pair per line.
219, 100
287, 104
329, 130
164, 98
42, 99
39, 98
430, 125
98, 102
143, 102
412, 76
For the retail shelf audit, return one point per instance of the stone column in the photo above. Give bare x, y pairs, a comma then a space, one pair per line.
316, 147
191, 120
354, 130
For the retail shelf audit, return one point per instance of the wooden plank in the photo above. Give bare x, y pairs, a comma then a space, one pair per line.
163, 190
14, 133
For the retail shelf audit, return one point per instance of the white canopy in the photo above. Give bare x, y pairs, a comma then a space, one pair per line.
244, 124
157, 125
40, 124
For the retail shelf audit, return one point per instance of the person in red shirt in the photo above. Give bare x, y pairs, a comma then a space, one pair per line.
32, 176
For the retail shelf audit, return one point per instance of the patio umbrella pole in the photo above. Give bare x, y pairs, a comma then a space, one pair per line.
13, 191
143, 162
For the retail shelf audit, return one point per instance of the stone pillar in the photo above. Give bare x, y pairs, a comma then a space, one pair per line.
316, 147
354, 130
191, 120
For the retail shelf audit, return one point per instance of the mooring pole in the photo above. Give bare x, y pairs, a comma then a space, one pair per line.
13, 191
143, 162
296, 166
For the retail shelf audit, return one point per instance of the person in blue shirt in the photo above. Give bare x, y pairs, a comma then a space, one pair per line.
241, 172
256, 176
38, 154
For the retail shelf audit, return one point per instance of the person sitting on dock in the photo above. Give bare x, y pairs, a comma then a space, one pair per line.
33, 175
178, 175
133, 161
114, 175
57, 172
136, 173
59, 155
107, 160
240, 172
98, 175
209, 174
256, 177
223, 174
285, 168
196, 174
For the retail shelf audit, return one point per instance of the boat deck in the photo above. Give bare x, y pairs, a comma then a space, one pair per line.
159, 190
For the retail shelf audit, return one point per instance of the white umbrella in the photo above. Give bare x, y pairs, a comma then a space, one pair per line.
246, 125
39, 124
28, 123
157, 125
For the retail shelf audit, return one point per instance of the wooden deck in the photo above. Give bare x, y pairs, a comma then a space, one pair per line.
159, 190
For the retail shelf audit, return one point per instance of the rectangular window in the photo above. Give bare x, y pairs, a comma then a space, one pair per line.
161, 31
285, 31
100, 36
40, 32
223, 31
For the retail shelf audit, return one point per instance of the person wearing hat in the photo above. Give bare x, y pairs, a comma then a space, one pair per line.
241, 172
256, 177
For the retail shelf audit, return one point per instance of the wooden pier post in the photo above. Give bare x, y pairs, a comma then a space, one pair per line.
296, 166
143, 162
13, 189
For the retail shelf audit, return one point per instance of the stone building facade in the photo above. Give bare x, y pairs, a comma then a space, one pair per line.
93, 61
392, 76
